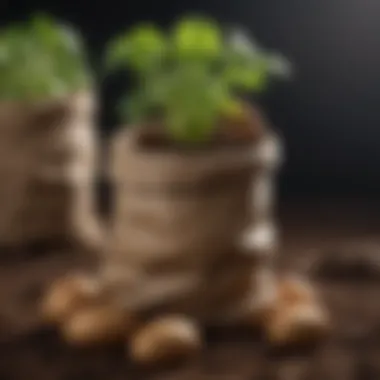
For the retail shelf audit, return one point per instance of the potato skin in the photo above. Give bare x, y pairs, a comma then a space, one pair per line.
97, 325
298, 316
166, 339
66, 295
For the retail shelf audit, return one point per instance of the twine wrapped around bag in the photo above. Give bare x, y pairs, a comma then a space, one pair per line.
176, 236
47, 171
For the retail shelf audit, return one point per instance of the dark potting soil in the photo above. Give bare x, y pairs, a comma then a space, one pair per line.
162, 144
228, 135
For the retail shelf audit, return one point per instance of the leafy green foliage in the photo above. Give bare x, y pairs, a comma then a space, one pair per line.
197, 39
141, 49
41, 59
192, 102
192, 75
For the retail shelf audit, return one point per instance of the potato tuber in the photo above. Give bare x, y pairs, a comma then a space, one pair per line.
166, 339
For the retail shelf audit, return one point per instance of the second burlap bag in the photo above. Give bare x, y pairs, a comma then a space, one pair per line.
48, 171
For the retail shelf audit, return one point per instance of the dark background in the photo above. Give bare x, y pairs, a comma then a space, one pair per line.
329, 115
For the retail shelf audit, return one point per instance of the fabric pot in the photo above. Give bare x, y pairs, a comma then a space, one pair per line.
47, 171
178, 223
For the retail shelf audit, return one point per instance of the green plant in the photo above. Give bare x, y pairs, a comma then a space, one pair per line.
192, 76
41, 58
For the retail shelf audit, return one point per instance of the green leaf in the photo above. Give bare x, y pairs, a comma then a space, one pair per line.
197, 38
144, 102
247, 78
141, 49
117, 53
189, 127
242, 45
193, 103
247, 65
232, 108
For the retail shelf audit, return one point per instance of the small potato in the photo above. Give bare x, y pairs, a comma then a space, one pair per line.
96, 325
166, 339
297, 324
293, 290
297, 315
67, 295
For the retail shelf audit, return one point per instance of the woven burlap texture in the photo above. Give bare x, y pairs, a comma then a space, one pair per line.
176, 225
47, 170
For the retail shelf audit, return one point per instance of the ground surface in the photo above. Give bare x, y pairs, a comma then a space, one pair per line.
310, 228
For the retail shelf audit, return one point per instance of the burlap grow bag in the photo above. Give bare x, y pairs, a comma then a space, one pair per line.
178, 218
47, 171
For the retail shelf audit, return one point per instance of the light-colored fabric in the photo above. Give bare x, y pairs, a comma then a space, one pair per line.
47, 170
